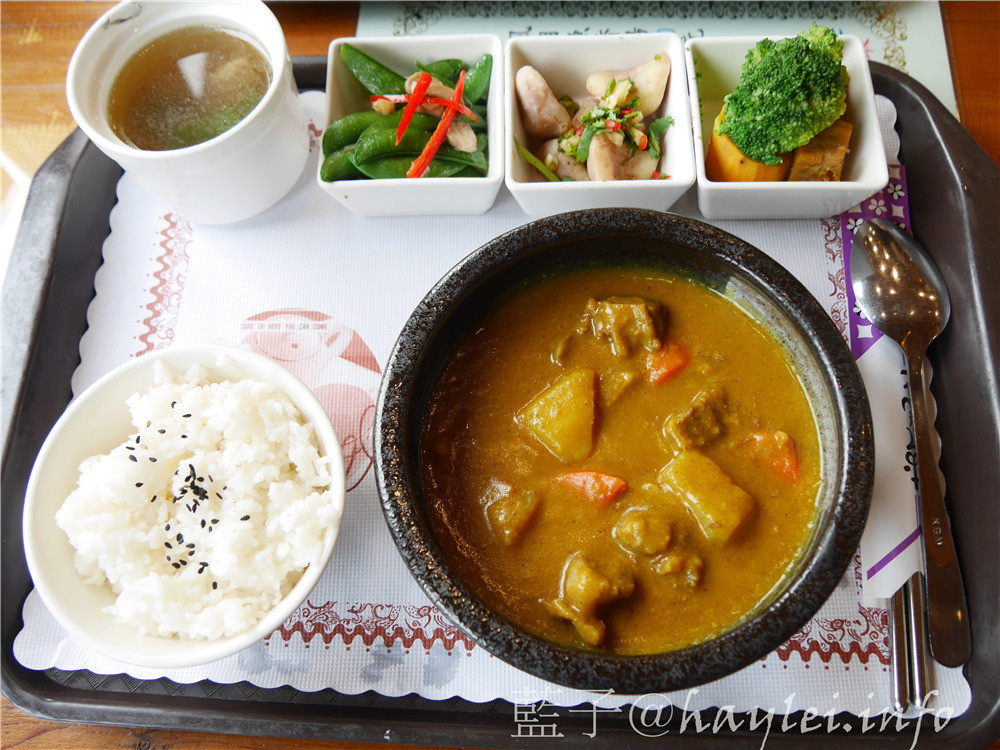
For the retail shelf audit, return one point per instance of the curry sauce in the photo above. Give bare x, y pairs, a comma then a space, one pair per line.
620, 459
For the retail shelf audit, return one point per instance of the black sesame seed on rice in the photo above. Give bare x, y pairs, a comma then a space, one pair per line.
176, 565
131, 457
215, 585
245, 518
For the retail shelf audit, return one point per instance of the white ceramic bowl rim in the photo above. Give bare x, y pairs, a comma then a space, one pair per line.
91, 626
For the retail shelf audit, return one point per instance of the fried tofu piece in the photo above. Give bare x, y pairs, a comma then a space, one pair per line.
822, 159
720, 506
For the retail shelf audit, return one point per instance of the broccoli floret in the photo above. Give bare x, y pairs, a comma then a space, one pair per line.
789, 91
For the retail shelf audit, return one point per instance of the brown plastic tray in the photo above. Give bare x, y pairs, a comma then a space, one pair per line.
954, 205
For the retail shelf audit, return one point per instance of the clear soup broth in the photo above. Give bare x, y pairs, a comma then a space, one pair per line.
187, 87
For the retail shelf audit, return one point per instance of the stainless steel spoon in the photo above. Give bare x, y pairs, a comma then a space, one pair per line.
902, 293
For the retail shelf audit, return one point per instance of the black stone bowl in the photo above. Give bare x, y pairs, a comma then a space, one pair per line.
770, 294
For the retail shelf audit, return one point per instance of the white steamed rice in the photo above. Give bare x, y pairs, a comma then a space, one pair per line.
208, 514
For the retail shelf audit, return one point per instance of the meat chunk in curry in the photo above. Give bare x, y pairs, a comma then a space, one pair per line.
628, 324
583, 591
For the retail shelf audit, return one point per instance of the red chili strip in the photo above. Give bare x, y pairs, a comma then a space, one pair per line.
411, 106
423, 161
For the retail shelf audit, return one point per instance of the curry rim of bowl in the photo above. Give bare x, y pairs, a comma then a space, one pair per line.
757, 284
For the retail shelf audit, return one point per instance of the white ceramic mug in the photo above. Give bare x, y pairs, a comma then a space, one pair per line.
231, 177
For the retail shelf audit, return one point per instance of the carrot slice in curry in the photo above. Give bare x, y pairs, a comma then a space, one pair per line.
600, 489
776, 451
666, 362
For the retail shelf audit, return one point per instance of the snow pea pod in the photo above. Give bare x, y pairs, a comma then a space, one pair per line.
346, 130
477, 79
395, 167
371, 74
379, 142
445, 71
339, 165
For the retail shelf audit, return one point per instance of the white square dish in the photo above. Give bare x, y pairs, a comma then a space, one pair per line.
426, 195
713, 70
565, 62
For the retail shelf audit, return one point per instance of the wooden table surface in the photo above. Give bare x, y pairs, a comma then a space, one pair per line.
36, 42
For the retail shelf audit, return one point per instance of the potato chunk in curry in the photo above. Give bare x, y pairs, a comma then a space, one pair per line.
717, 502
510, 512
562, 416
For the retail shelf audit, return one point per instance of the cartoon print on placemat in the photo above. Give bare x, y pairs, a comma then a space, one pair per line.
337, 365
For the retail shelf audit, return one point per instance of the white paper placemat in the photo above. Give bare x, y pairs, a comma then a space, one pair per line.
326, 293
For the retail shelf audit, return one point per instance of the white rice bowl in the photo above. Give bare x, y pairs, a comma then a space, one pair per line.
208, 514
206, 520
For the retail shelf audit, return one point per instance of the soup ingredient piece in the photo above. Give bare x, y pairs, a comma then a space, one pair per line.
644, 531
206, 517
371, 74
509, 511
593, 486
719, 505
724, 162
822, 159
789, 91
562, 416
777, 451
186, 87
649, 80
700, 423
629, 324
583, 591
543, 114
666, 362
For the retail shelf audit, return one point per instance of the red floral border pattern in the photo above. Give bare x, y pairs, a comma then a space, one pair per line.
863, 637
392, 623
162, 317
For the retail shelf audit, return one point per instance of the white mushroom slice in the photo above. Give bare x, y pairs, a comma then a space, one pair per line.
461, 136
650, 80
541, 111
607, 160
565, 165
